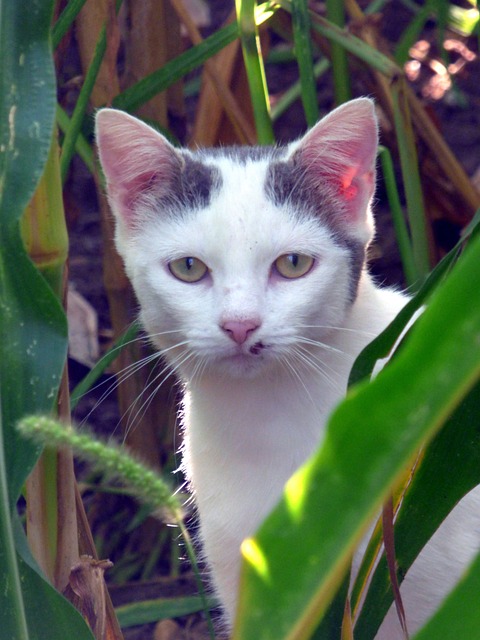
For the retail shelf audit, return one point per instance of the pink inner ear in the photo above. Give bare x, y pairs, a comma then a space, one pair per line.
135, 159
340, 152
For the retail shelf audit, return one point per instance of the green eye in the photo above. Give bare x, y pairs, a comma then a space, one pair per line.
188, 269
293, 265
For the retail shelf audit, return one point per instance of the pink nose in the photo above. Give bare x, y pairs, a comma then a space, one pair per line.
239, 330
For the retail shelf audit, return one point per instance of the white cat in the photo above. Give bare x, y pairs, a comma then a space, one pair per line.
249, 266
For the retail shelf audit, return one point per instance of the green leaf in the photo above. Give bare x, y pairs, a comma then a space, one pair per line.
430, 497
459, 616
341, 75
156, 82
253, 60
382, 345
33, 331
412, 32
407, 148
130, 615
400, 225
300, 555
66, 20
304, 53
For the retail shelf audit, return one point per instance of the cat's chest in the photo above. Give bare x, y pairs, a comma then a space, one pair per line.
260, 427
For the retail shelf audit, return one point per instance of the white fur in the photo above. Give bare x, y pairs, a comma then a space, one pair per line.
250, 419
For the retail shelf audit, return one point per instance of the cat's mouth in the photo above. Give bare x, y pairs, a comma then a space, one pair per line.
245, 352
246, 360
257, 348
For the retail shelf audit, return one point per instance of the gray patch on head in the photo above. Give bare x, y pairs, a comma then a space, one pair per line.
357, 264
196, 183
192, 186
288, 183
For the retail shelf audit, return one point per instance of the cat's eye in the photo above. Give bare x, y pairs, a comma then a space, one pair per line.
293, 265
188, 269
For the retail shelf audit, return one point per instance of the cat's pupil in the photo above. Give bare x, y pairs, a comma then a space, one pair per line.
189, 263
293, 258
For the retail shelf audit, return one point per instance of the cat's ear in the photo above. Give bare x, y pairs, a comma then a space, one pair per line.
339, 154
135, 159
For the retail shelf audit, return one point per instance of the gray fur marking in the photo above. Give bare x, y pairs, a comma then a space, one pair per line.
288, 182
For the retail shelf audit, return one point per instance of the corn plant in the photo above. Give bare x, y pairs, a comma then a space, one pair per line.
328, 504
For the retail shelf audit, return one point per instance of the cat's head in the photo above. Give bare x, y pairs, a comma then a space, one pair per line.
242, 257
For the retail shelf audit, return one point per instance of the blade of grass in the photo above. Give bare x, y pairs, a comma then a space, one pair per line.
255, 70
146, 483
341, 75
351, 43
237, 117
412, 32
304, 54
401, 231
429, 498
71, 135
12, 613
147, 87
294, 92
146, 611
381, 346
144, 89
82, 146
411, 178
289, 578
65, 20
459, 615
33, 332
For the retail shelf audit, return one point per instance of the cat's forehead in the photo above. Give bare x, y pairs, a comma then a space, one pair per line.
240, 205
240, 155
241, 224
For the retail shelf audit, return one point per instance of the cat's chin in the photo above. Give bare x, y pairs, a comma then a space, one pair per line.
241, 365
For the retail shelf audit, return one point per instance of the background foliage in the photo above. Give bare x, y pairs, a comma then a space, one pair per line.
151, 59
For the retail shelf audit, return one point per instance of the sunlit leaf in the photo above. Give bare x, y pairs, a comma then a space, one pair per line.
305, 544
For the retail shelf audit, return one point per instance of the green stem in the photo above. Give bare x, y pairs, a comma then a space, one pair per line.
70, 140
12, 615
255, 70
401, 231
411, 179
336, 15
65, 20
303, 51
158, 81
82, 147
294, 92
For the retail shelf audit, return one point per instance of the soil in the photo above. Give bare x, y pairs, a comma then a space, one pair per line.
455, 109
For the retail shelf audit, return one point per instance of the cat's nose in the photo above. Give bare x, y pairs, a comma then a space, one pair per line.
239, 330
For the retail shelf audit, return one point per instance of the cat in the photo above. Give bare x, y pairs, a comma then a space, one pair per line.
249, 264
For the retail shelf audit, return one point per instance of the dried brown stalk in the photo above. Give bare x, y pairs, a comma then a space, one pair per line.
243, 129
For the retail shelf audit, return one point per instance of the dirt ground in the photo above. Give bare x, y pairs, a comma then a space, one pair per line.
455, 108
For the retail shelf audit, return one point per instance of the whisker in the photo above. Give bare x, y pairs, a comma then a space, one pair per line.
322, 345
291, 370
171, 368
360, 332
131, 370
317, 365
120, 378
